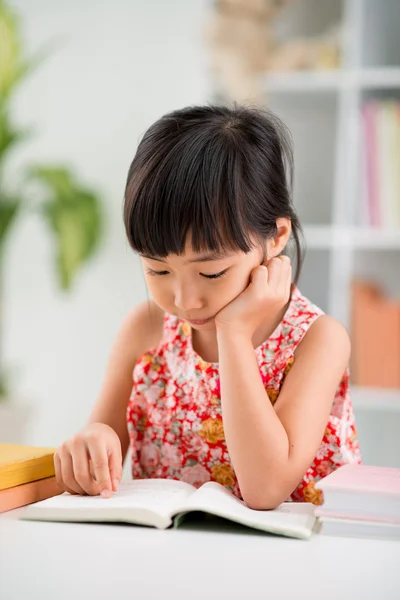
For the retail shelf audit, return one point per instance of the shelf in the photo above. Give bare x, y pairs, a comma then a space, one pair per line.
302, 81
373, 237
323, 81
375, 399
319, 236
330, 236
378, 78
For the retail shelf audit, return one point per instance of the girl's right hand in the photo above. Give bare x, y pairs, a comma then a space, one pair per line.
90, 462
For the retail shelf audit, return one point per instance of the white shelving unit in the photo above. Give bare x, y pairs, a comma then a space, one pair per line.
369, 398
345, 79
322, 111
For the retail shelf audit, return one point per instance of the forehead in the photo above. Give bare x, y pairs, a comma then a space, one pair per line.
190, 256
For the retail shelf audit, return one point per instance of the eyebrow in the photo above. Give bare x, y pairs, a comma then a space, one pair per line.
202, 258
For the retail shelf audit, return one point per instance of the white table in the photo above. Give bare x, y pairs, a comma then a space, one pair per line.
57, 561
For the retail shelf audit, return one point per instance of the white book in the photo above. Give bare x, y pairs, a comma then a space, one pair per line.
356, 528
160, 502
395, 160
387, 167
363, 208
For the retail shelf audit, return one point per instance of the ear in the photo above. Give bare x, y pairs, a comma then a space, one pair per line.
276, 245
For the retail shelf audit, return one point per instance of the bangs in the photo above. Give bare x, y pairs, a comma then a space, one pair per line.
188, 189
212, 176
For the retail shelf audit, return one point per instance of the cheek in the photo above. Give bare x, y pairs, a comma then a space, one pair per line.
237, 282
241, 280
231, 289
158, 289
244, 279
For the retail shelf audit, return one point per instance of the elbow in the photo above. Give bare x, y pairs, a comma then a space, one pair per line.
258, 494
262, 505
264, 496
263, 501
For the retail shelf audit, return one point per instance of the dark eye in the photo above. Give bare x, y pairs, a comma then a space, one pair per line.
151, 272
215, 275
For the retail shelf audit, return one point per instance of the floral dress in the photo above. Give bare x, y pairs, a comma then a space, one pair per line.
174, 413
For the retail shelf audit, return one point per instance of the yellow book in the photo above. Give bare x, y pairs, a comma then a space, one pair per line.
23, 464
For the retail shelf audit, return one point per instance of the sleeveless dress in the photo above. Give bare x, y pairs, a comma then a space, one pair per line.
174, 414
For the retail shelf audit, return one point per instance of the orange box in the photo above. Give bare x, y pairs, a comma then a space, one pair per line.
375, 332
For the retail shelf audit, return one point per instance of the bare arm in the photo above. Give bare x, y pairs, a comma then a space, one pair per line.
272, 447
140, 330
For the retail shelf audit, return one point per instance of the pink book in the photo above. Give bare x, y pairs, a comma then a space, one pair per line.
361, 492
362, 479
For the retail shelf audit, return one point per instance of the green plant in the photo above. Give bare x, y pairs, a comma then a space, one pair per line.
71, 210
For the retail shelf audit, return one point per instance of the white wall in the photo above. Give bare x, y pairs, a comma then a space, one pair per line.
118, 65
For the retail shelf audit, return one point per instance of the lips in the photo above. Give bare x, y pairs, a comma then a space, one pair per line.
199, 321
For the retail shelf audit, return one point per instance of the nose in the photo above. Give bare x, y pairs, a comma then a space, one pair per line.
187, 298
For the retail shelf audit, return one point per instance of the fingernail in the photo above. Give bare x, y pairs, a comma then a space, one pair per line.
116, 483
105, 494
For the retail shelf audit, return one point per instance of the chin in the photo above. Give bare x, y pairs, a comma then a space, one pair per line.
210, 326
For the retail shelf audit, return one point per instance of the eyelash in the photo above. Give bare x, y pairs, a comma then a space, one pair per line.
214, 276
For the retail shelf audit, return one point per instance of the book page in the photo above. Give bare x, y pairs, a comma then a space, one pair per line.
217, 500
157, 495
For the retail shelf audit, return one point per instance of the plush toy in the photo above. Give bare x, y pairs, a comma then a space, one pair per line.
240, 38
319, 52
244, 47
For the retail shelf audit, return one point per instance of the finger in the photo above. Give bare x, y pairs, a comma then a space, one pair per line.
285, 282
83, 477
57, 471
58, 474
259, 276
101, 470
274, 272
285, 260
115, 466
286, 272
67, 473
289, 279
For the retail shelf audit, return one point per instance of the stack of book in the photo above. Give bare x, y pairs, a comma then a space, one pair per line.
380, 149
26, 475
361, 501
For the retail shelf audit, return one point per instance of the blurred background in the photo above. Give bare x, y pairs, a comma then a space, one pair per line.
81, 81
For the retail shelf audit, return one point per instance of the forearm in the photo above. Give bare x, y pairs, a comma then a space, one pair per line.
257, 441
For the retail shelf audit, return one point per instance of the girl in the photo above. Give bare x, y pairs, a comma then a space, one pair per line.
237, 377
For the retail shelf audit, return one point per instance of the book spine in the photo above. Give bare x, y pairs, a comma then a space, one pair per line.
396, 163
28, 493
369, 111
364, 203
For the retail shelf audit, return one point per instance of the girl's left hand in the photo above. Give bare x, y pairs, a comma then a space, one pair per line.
263, 299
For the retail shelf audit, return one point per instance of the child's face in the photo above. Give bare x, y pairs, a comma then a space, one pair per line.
196, 286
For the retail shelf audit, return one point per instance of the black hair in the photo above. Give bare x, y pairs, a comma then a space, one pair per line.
221, 174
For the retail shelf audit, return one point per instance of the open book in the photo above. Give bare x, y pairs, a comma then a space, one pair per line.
161, 502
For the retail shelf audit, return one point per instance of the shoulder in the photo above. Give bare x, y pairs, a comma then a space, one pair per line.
328, 336
300, 315
143, 327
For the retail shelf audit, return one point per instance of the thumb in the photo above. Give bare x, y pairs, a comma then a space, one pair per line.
259, 275
115, 466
